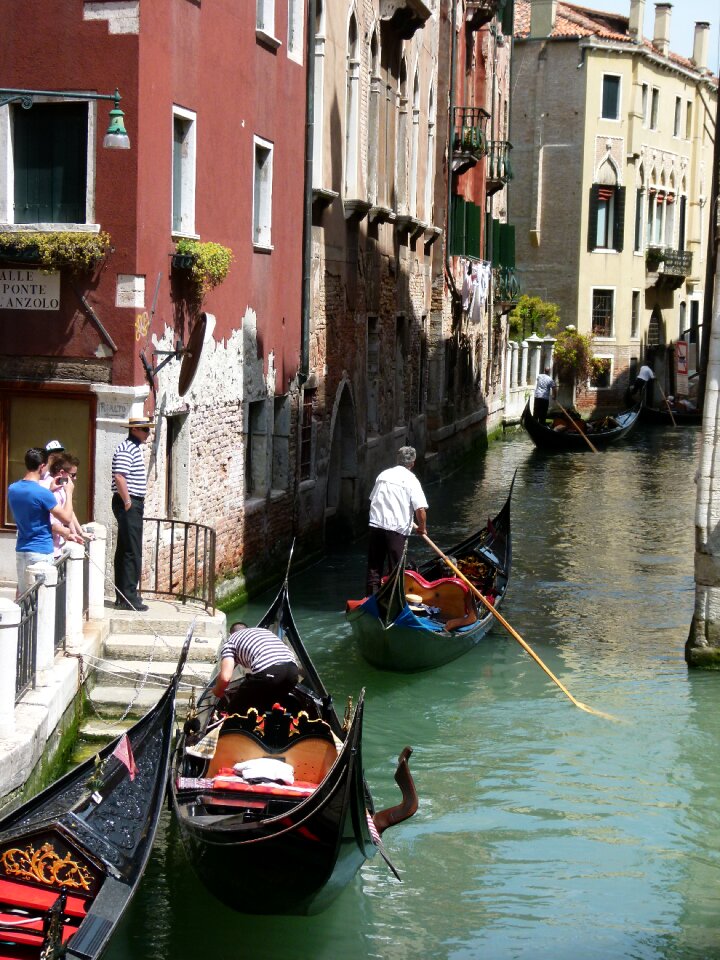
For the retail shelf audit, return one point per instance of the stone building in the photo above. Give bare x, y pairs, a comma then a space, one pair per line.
613, 147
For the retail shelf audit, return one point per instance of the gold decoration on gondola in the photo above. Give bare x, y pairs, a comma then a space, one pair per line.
46, 866
347, 719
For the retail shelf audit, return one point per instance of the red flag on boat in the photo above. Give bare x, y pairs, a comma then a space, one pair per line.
123, 751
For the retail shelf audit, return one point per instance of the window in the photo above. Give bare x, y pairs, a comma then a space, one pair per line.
352, 111
676, 121
465, 228
603, 378
430, 163
256, 450
295, 30
373, 375
681, 222
610, 97
373, 152
603, 302
177, 458
688, 121
319, 96
400, 354
635, 315
414, 146
183, 172
262, 194
281, 443
265, 19
607, 217
655, 102
637, 245
660, 229
306, 433
644, 101
50, 155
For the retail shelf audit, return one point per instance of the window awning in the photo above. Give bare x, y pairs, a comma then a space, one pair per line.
404, 16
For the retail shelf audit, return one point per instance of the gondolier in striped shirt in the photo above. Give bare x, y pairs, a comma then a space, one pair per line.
272, 668
129, 486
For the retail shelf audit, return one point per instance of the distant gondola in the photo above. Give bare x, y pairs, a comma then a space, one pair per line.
601, 432
72, 857
660, 416
444, 620
270, 847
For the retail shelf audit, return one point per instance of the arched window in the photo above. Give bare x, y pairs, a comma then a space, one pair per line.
374, 108
607, 210
352, 110
414, 145
401, 180
430, 165
319, 96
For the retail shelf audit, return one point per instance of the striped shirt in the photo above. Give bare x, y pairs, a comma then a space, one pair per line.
128, 460
256, 649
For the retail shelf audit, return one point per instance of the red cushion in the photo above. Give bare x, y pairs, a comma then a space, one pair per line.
17, 894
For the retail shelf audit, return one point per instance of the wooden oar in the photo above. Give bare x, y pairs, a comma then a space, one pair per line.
513, 633
667, 404
585, 437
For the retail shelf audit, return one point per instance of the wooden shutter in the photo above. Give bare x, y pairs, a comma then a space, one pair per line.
495, 242
619, 219
472, 239
593, 216
457, 226
508, 16
507, 245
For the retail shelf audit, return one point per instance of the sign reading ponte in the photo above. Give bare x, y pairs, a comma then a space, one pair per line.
29, 290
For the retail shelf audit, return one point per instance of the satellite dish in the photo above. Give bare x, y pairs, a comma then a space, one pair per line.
191, 356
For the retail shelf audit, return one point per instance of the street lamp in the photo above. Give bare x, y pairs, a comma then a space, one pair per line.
116, 137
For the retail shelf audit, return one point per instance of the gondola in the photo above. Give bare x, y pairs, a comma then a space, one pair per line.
266, 847
72, 857
442, 620
660, 416
601, 432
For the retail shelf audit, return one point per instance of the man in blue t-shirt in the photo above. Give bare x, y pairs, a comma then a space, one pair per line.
32, 504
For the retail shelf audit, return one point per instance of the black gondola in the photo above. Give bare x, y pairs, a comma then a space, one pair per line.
601, 432
279, 848
660, 416
72, 857
445, 621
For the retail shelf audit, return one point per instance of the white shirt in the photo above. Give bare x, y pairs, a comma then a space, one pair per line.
396, 496
543, 386
645, 373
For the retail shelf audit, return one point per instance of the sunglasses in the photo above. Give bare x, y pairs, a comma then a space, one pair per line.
143, 429
73, 476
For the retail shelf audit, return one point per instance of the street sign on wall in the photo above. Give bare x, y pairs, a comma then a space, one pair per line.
29, 290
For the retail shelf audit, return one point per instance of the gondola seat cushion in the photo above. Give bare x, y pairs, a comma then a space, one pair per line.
311, 757
450, 594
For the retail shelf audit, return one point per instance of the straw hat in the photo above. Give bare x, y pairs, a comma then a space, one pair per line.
134, 422
415, 601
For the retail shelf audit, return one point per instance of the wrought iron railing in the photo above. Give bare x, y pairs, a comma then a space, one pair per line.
499, 167
27, 641
468, 134
667, 260
60, 603
507, 285
182, 561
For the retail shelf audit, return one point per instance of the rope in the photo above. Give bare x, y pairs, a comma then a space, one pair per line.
20, 923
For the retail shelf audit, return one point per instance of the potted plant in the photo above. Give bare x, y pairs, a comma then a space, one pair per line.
207, 264
54, 250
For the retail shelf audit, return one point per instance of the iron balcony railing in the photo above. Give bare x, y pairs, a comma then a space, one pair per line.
507, 286
27, 641
182, 561
499, 168
468, 135
60, 603
668, 261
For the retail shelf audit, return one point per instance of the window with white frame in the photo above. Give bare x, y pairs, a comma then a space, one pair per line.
638, 238
654, 107
635, 315
319, 96
610, 97
352, 111
660, 220
606, 221
183, 171
676, 119
688, 120
430, 162
414, 146
47, 176
262, 193
295, 30
644, 103
603, 312
265, 18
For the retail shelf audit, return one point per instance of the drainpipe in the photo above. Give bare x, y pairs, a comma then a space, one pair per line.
451, 131
304, 371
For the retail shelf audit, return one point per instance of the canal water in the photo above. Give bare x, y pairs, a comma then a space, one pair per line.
543, 832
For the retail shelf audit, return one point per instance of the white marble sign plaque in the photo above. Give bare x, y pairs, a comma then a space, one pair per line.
29, 290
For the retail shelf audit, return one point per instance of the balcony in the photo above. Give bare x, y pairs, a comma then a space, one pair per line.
507, 288
499, 168
469, 142
479, 12
667, 268
404, 17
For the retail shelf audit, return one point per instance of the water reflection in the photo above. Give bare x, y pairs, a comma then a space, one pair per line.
543, 832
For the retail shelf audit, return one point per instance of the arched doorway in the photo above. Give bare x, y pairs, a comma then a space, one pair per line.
341, 517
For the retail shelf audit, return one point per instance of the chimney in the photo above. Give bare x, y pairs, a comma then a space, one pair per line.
635, 23
700, 45
661, 33
542, 17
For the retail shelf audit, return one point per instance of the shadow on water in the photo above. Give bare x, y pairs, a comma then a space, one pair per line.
543, 832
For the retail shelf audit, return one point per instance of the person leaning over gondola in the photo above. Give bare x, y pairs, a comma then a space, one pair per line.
544, 387
272, 668
396, 500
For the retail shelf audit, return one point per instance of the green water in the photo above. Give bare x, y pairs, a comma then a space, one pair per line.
543, 832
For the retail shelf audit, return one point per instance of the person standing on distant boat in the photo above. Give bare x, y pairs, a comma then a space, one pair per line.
544, 387
396, 500
644, 382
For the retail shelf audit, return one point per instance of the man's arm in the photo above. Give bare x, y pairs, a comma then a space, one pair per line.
227, 665
64, 513
122, 488
420, 520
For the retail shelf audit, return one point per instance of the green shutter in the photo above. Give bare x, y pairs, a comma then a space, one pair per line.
508, 15
457, 226
593, 215
472, 239
50, 163
507, 245
619, 219
495, 242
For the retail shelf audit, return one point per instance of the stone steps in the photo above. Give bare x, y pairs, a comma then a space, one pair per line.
142, 646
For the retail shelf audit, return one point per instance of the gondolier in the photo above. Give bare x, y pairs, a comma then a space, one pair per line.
396, 500
545, 386
129, 487
272, 669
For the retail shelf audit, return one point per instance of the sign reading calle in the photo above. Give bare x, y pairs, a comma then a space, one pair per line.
29, 290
